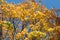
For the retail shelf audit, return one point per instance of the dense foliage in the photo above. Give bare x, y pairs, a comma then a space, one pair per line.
28, 21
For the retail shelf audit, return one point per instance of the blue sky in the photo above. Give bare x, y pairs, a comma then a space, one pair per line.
52, 3
48, 3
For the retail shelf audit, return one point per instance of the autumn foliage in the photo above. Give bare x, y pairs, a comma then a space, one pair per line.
28, 21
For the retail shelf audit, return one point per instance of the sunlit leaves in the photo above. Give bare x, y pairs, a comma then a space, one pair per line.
2, 0
34, 17
18, 36
8, 25
36, 35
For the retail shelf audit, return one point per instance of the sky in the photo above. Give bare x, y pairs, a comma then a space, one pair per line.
48, 3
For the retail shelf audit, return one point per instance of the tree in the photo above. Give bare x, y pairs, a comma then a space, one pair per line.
29, 21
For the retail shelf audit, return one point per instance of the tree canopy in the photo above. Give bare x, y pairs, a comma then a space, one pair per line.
28, 21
